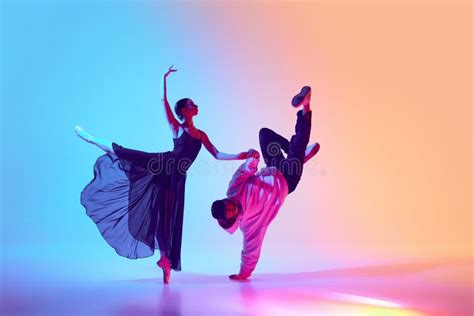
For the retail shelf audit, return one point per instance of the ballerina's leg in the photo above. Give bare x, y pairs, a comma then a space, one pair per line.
103, 144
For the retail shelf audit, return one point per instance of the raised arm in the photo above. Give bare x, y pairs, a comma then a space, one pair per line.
218, 154
172, 121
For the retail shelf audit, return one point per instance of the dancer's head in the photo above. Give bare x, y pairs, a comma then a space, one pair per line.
185, 109
225, 211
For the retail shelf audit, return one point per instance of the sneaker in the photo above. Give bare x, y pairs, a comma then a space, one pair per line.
297, 99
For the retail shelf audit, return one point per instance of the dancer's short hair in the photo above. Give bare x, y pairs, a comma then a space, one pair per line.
179, 106
218, 210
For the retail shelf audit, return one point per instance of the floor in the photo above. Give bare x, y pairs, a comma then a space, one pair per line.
441, 289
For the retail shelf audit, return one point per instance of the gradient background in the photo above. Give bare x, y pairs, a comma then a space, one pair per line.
392, 107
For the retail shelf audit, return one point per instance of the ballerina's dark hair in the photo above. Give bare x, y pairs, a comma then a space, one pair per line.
179, 106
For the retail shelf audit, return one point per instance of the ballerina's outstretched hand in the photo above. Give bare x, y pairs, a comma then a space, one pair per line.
170, 70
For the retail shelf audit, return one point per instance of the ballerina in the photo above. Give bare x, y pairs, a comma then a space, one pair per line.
136, 198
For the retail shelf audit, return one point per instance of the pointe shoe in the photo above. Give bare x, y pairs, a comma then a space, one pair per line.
165, 265
83, 134
299, 98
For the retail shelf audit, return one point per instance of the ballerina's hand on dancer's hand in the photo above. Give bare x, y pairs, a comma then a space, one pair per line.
170, 70
241, 156
252, 153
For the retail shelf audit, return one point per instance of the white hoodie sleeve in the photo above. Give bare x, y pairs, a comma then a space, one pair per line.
253, 241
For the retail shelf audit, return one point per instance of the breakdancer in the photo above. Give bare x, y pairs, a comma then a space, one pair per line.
253, 199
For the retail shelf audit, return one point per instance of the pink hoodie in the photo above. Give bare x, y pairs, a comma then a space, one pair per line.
261, 196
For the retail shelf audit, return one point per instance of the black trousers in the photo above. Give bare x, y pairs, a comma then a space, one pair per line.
272, 144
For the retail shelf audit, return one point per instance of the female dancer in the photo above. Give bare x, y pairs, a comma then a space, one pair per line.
136, 198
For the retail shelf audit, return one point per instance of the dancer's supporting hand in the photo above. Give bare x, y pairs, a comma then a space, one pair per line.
238, 277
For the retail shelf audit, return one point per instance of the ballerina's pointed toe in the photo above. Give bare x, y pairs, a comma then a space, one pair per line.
166, 267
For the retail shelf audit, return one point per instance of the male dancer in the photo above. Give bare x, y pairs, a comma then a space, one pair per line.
253, 199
